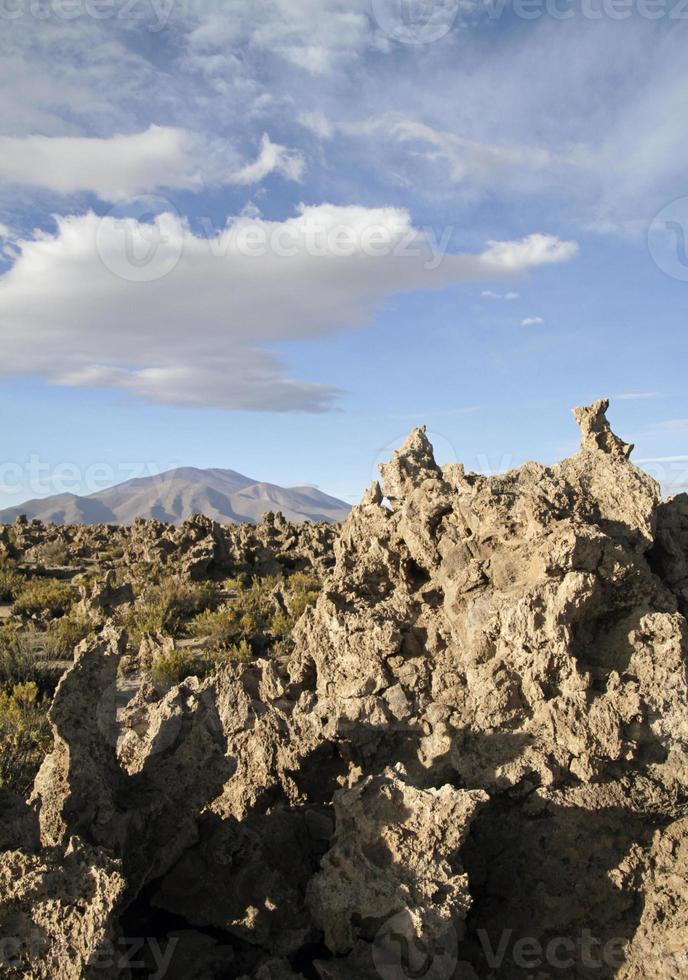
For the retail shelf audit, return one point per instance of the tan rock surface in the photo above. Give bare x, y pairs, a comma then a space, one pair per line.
481, 734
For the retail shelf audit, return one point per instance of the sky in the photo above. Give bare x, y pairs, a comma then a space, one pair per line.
276, 235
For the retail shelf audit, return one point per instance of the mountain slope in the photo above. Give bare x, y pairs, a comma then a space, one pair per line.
224, 495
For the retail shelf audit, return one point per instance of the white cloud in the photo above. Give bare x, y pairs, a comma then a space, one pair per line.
273, 158
123, 166
189, 320
4, 231
535, 249
491, 294
532, 321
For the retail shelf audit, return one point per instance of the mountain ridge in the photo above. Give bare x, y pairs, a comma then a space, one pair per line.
227, 496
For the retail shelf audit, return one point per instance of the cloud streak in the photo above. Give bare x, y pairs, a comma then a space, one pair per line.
123, 166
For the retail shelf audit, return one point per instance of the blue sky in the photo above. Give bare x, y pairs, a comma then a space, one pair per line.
275, 235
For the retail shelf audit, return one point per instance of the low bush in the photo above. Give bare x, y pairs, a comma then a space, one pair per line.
303, 591
43, 598
11, 582
53, 553
173, 667
254, 620
25, 736
64, 635
247, 616
17, 665
166, 606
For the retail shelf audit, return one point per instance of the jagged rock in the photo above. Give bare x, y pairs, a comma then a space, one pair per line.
98, 600
490, 697
597, 433
669, 554
659, 947
57, 912
390, 856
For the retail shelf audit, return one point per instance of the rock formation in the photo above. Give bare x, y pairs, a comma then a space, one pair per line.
473, 764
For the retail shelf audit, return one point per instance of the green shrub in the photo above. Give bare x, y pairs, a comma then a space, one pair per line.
11, 582
165, 607
44, 597
247, 616
173, 667
65, 634
53, 553
252, 620
240, 651
304, 590
17, 665
223, 627
25, 736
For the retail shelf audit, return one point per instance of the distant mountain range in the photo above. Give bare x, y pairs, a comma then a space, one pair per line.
224, 495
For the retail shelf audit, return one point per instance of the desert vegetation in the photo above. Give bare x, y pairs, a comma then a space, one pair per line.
202, 601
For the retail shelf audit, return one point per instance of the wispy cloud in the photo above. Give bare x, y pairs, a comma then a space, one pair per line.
663, 459
532, 321
124, 166
466, 158
631, 396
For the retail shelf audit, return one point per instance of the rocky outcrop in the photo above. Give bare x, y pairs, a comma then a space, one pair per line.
473, 764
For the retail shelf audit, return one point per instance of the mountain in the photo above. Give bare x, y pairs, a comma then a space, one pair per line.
224, 495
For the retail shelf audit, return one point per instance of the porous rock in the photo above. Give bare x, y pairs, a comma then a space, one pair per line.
481, 732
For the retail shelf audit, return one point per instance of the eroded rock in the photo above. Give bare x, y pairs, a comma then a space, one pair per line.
478, 742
